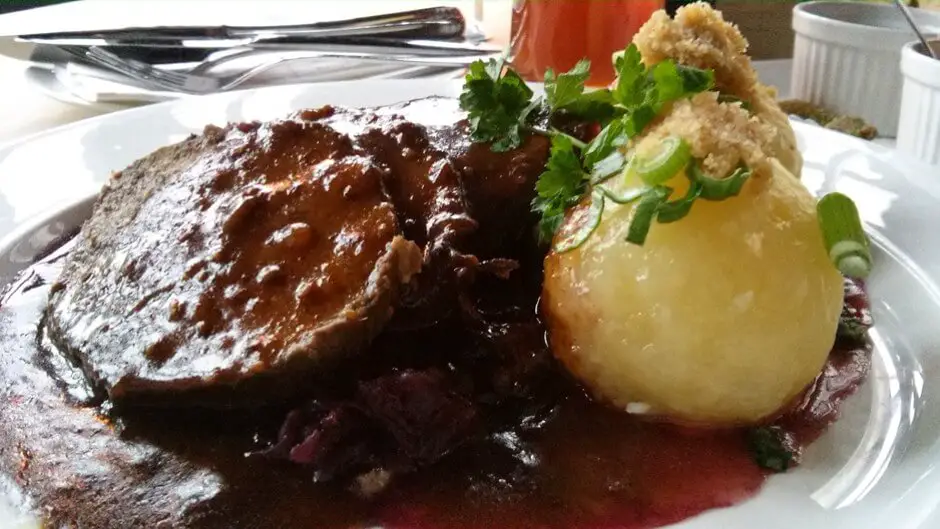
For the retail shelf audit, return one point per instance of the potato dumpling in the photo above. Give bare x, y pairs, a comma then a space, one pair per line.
721, 318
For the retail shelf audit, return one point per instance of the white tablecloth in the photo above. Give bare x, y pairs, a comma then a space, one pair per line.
25, 110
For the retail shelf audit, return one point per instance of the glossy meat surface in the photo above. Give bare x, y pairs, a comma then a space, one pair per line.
245, 256
229, 269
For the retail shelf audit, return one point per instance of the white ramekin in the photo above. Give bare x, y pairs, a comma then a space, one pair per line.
919, 129
846, 57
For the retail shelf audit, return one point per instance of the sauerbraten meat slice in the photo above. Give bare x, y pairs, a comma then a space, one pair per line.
242, 259
231, 268
460, 201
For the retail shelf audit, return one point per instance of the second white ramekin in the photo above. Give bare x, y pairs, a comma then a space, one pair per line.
919, 129
846, 58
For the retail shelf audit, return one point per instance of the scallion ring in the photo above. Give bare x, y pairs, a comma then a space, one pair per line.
627, 197
589, 223
672, 155
843, 235
720, 188
679, 208
644, 212
608, 167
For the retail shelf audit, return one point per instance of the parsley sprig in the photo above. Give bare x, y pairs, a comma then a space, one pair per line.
502, 109
559, 187
498, 104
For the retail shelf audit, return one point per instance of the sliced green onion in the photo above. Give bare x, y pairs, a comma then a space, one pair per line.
589, 223
843, 235
679, 208
629, 196
607, 167
720, 188
672, 155
644, 212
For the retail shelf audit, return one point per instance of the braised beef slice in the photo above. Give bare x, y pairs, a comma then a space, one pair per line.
484, 369
229, 267
459, 200
291, 245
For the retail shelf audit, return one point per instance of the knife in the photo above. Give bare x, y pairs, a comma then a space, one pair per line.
428, 23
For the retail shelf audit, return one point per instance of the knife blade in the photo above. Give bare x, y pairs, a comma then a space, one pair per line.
363, 45
428, 23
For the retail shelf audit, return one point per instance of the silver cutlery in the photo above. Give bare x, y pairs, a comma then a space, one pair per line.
92, 85
910, 20
429, 23
197, 81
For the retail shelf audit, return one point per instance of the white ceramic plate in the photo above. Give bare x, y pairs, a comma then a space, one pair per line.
874, 469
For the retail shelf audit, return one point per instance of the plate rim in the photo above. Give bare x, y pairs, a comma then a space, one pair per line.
418, 88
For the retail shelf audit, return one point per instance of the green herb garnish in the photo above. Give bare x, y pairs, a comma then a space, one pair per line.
639, 95
589, 223
631, 195
559, 187
672, 156
720, 188
568, 87
772, 448
644, 212
608, 167
498, 104
843, 235
502, 110
677, 209
644, 92
608, 141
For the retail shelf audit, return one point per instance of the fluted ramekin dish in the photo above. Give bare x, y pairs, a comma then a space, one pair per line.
846, 58
919, 128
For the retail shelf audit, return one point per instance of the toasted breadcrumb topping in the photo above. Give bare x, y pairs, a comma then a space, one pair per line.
724, 133
699, 36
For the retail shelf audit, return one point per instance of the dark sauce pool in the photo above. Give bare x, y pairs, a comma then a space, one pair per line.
582, 466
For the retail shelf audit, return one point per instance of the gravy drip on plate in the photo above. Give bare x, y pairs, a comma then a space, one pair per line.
575, 464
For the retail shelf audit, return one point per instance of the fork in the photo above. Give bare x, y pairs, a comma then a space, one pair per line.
197, 82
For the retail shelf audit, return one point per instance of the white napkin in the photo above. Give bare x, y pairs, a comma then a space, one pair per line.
98, 85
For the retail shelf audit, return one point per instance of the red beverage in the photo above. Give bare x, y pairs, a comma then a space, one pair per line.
558, 33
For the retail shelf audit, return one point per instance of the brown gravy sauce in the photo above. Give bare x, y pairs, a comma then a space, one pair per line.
583, 466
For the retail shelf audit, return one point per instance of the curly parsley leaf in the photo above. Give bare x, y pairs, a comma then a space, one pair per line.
607, 141
596, 105
566, 93
498, 104
644, 92
568, 87
501, 109
631, 78
559, 187
695, 80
